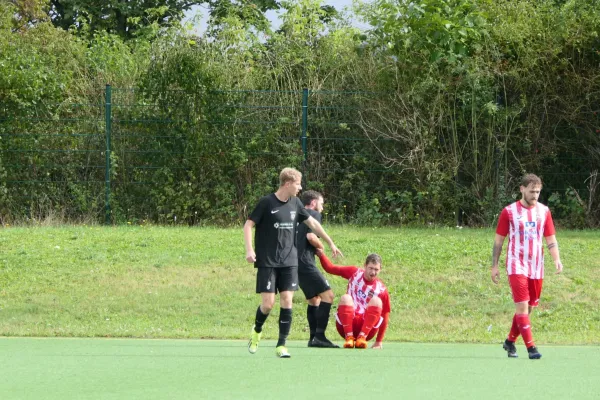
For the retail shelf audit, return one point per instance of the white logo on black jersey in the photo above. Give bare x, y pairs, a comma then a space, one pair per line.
274, 211
276, 225
293, 214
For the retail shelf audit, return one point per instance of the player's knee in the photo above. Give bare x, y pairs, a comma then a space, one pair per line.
522, 308
267, 305
346, 300
376, 302
327, 296
315, 301
286, 299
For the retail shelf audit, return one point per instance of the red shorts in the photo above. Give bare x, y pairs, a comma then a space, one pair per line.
357, 324
525, 289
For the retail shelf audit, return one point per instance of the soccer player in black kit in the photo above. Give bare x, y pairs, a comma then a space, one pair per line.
276, 258
316, 289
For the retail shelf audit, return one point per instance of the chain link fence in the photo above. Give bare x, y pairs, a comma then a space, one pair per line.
178, 157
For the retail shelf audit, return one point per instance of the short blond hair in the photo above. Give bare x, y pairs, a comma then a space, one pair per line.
289, 175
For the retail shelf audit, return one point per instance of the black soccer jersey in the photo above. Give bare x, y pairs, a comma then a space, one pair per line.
275, 236
306, 251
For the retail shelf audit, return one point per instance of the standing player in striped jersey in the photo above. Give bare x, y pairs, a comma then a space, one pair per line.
364, 310
525, 222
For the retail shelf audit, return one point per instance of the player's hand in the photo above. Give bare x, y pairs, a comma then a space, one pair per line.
377, 345
559, 266
319, 251
335, 251
251, 256
495, 275
319, 246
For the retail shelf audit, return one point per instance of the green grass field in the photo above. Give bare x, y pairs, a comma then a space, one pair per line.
72, 298
160, 282
61, 368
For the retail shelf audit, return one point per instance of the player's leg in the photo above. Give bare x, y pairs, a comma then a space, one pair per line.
535, 291
316, 283
345, 318
375, 329
311, 316
323, 314
287, 284
520, 290
265, 286
313, 300
514, 333
371, 318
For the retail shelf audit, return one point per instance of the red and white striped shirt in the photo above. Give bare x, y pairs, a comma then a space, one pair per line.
362, 292
359, 289
525, 228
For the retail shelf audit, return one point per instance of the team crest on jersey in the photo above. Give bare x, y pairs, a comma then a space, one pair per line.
276, 225
293, 214
530, 224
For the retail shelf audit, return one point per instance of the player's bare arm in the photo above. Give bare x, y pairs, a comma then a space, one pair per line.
496, 251
250, 254
314, 241
319, 231
553, 250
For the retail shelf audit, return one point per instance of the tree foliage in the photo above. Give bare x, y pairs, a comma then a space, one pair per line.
123, 18
430, 116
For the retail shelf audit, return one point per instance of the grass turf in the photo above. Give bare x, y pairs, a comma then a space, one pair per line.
176, 282
66, 368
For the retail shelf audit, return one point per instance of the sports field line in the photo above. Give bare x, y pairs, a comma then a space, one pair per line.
77, 368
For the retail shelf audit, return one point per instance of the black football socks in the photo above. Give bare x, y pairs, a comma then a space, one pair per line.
285, 323
322, 319
260, 320
311, 316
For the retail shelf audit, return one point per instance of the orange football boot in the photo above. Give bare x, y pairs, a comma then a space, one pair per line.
349, 343
361, 343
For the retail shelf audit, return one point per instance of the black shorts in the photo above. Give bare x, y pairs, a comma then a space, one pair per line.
275, 280
312, 282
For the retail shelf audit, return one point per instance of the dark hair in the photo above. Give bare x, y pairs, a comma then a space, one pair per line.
529, 179
373, 258
309, 196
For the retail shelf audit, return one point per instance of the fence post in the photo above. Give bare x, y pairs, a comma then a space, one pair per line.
304, 128
108, 120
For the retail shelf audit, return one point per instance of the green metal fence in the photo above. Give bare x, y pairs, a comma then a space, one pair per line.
131, 155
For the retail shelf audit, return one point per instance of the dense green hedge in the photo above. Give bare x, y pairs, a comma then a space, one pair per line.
429, 117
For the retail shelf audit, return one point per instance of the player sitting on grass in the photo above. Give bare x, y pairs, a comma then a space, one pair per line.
364, 310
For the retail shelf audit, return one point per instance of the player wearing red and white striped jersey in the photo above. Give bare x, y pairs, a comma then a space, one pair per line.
525, 222
364, 310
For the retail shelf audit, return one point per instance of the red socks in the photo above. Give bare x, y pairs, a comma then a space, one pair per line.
372, 315
525, 328
514, 330
346, 317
